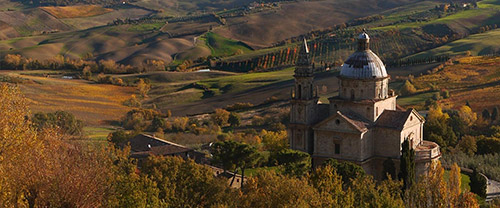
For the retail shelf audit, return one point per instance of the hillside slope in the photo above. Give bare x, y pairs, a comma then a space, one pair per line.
292, 19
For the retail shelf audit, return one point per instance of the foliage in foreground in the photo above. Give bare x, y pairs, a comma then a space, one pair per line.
40, 168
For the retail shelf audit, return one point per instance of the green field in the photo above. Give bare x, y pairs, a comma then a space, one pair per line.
97, 133
241, 82
483, 15
478, 44
220, 46
415, 100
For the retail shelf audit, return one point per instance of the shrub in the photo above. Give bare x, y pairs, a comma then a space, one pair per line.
132, 102
234, 119
63, 120
258, 120
239, 106
220, 117
407, 89
445, 94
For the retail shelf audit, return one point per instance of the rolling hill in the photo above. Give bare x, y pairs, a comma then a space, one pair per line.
478, 44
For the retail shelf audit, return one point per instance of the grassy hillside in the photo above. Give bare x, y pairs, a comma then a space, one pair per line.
262, 29
111, 42
486, 13
183, 7
220, 46
478, 44
32, 22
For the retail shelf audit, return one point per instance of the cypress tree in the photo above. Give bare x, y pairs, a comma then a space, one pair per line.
478, 184
494, 114
486, 114
407, 165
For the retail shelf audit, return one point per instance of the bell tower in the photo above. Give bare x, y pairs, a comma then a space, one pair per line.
304, 104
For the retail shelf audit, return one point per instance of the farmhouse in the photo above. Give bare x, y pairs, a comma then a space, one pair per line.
363, 124
143, 145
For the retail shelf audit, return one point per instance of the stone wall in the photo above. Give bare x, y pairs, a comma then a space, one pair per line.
359, 89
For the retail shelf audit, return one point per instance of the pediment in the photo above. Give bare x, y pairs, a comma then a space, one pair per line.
341, 123
413, 118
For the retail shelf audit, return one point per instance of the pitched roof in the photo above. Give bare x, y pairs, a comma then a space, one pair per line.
356, 121
143, 143
394, 119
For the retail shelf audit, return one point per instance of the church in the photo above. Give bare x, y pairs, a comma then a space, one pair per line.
362, 124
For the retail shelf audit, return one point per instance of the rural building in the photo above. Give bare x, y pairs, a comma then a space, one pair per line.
143, 145
363, 124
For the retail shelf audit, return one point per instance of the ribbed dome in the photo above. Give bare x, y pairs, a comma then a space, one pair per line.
363, 64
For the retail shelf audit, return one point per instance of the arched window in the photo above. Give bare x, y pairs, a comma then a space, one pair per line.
352, 94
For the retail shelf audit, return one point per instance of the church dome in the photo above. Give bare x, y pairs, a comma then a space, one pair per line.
363, 64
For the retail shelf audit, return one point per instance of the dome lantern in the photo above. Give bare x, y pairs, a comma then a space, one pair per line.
363, 64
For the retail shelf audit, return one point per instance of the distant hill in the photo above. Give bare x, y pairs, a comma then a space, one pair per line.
479, 44
295, 18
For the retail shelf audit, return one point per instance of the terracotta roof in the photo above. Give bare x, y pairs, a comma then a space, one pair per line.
394, 119
357, 121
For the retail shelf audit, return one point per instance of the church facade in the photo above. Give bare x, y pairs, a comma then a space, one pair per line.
363, 124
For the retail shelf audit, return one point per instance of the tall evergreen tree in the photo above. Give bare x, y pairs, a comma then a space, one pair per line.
486, 114
407, 165
478, 184
494, 114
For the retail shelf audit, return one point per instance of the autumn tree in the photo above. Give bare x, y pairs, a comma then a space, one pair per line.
268, 189
63, 120
184, 183
467, 116
330, 187
274, 141
220, 117
468, 145
407, 88
42, 168
454, 184
87, 73
433, 190
437, 128
143, 87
